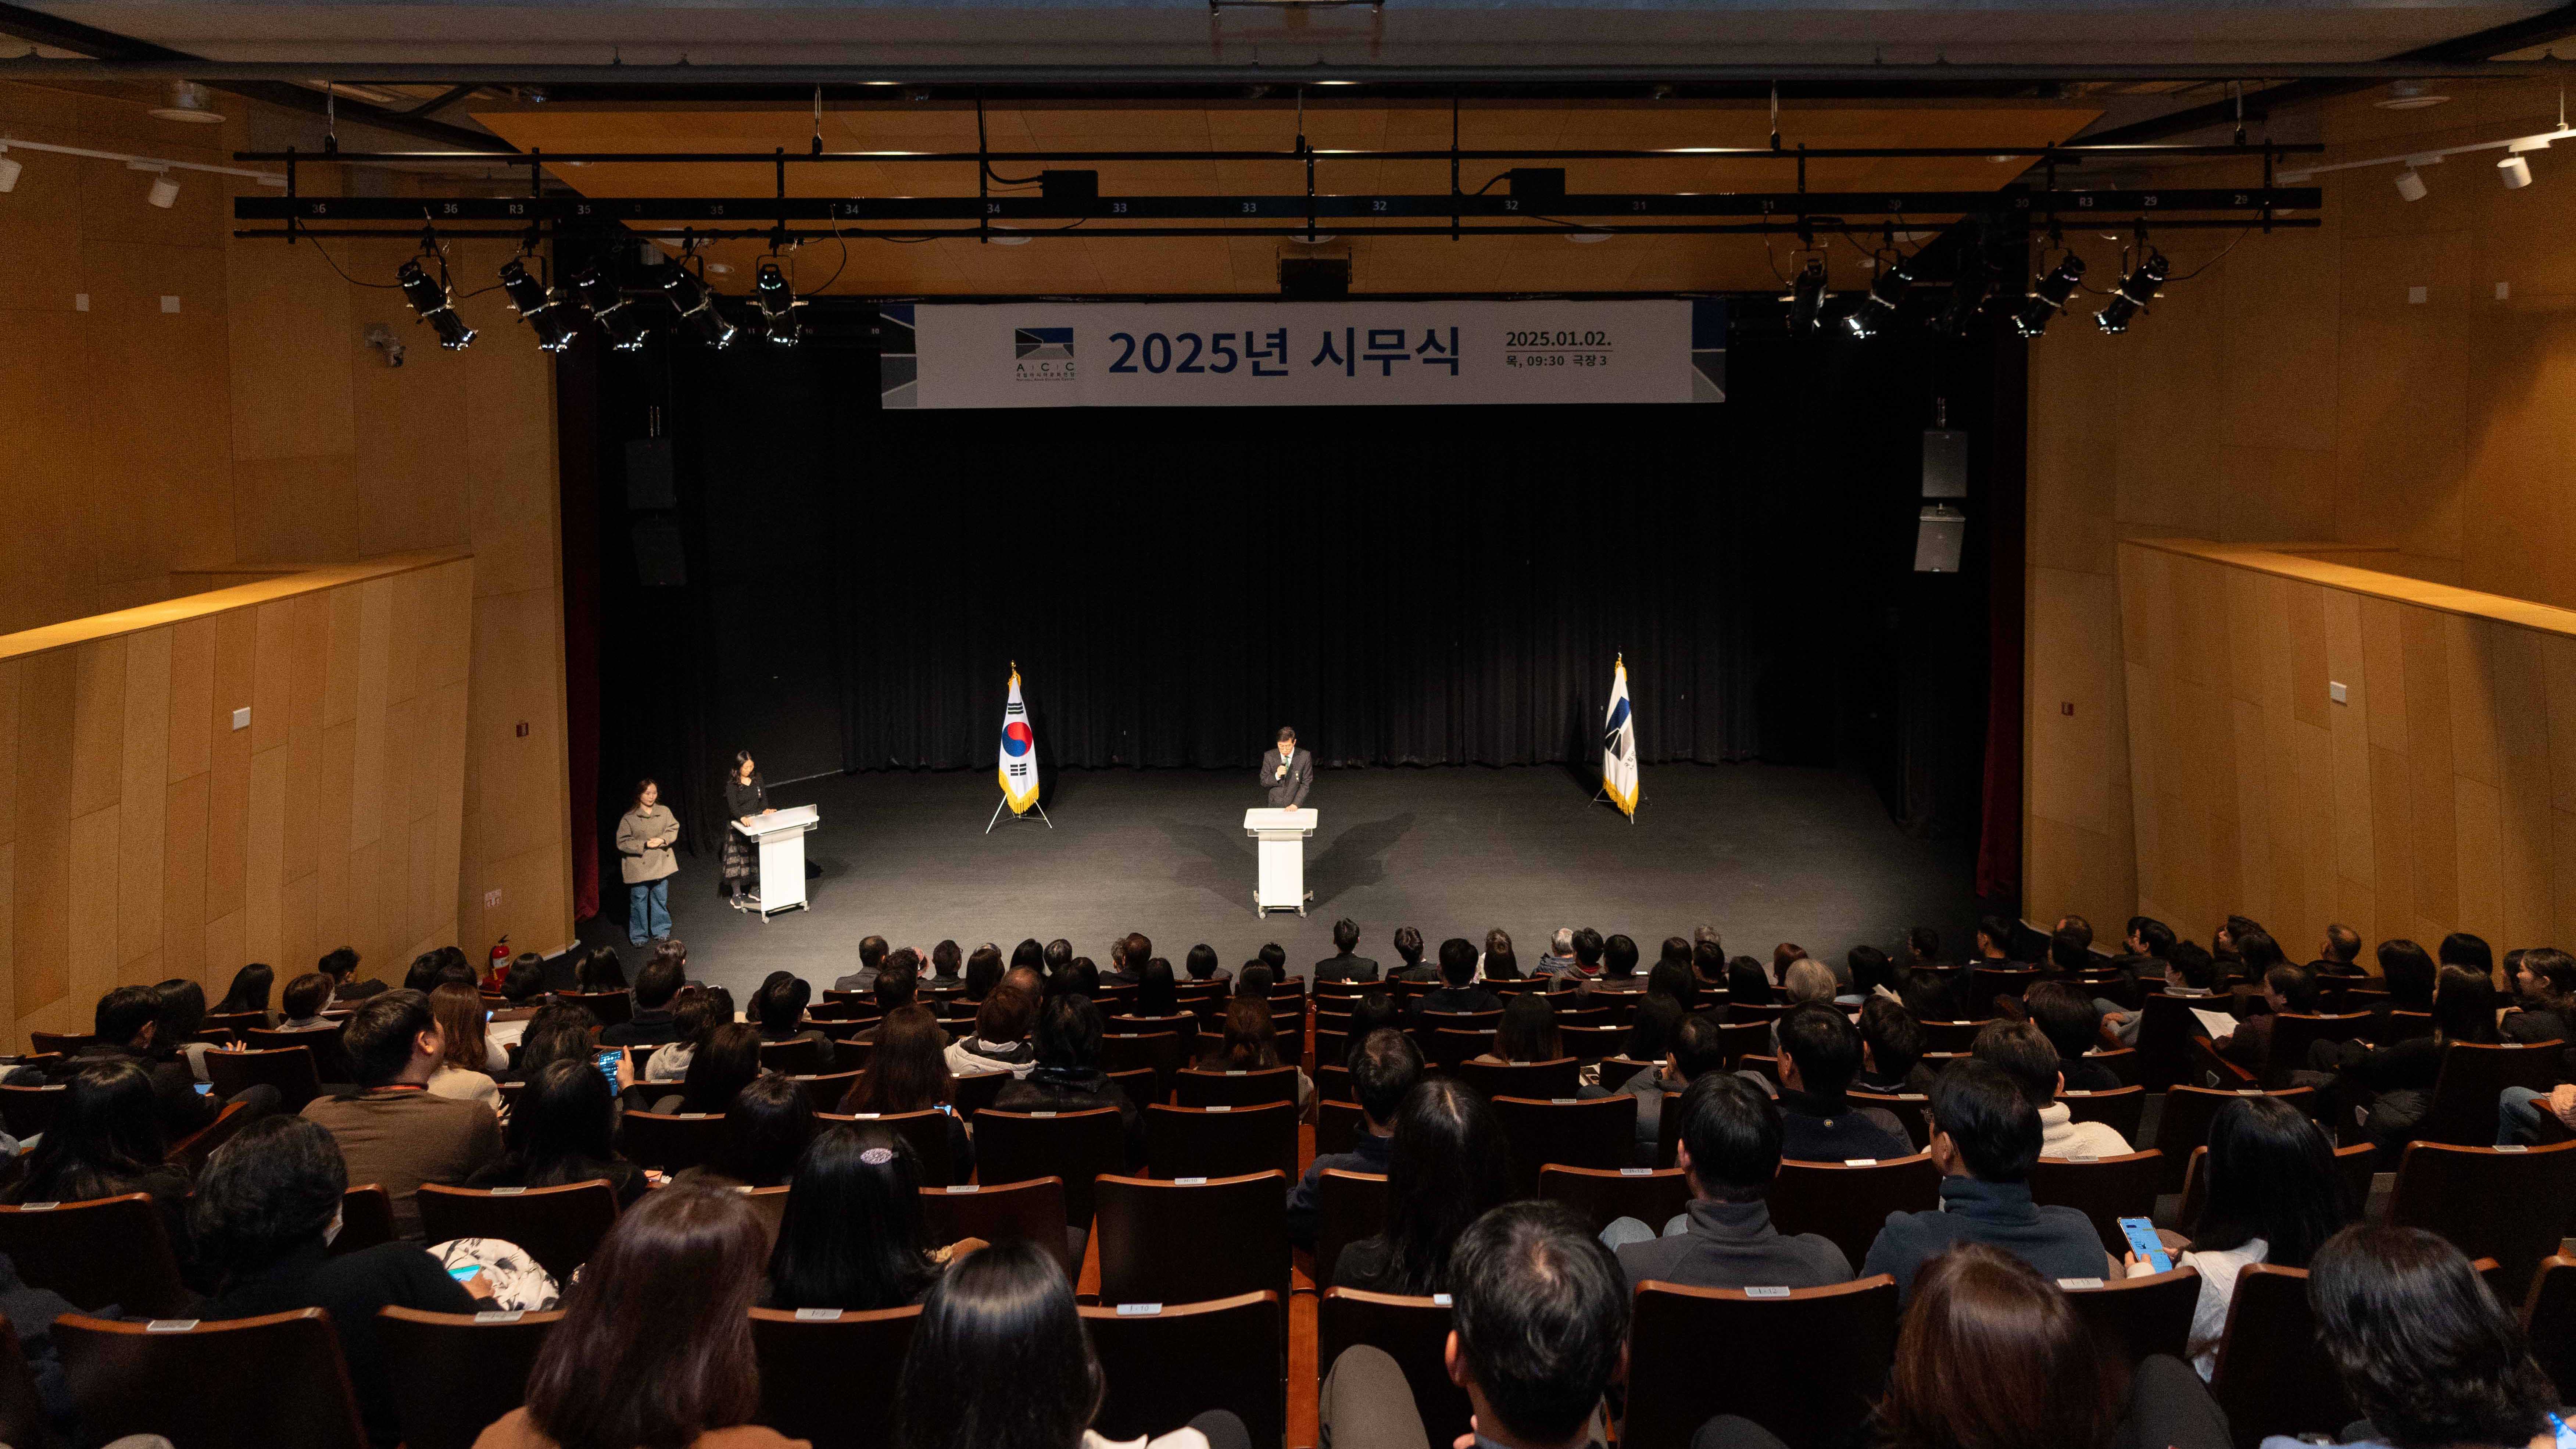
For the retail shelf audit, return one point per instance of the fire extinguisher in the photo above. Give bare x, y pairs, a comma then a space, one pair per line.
500, 964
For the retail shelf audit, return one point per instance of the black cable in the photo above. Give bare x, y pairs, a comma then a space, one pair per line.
344, 276
981, 147
2213, 261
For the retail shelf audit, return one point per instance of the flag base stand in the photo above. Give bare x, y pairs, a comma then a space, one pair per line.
1005, 804
1602, 797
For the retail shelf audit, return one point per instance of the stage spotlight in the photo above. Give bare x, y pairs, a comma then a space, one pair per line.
1886, 294
697, 308
774, 304
2410, 184
1973, 280
429, 299
536, 306
609, 307
2135, 291
2514, 172
1807, 295
2048, 296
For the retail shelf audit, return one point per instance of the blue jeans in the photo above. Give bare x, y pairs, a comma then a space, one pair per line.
648, 910
2519, 1113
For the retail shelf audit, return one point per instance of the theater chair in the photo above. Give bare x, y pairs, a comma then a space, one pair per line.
1952, 1036
2354, 1165
1177, 1242
1196, 1088
975, 1091
2512, 1204
2132, 1318
1221, 1141
1602, 1195
1072, 1147
189, 1153
59, 1043
560, 1227
824, 1090
2549, 1317
460, 1371
1349, 1206
613, 1008
1914, 1109
1167, 1366
2294, 1033
1338, 1124
1739, 1039
1848, 1202
107, 1251
1803, 1363
2121, 1109
1597, 1133
1029, 1211
1545, 1080
1449, 1047
829, 1375
1163, 1052
2473, 1075
291, 1070
1588, 1044
2105, 1189
2188, 1111
769, 1205
24, 1423
366, 1219
1412, 1331
26, 1112
925, 1131
2273, 1377
251, 1383
671, 1141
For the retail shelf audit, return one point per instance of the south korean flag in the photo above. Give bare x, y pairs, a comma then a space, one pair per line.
1619, 744
1019, 752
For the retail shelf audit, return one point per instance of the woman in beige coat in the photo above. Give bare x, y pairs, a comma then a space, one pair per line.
644, 837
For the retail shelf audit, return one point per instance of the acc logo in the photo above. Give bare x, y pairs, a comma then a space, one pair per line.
1042, 354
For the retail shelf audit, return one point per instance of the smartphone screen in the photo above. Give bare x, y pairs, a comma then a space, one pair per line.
205, 1089
2144, 1242
607, 1063
464, 1272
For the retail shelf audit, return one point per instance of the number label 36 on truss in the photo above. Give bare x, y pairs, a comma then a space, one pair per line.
1275, 354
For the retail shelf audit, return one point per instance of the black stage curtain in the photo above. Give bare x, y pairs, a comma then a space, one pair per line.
1403, 585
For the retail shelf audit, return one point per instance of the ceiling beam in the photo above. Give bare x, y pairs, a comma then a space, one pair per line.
284, 89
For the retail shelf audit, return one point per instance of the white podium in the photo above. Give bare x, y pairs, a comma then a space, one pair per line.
781, 838
1282, 834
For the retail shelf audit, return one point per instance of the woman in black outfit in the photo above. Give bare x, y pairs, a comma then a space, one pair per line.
745, 797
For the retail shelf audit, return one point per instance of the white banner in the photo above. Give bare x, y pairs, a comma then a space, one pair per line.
1263, 353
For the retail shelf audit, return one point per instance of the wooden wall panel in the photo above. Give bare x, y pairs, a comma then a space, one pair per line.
143, 837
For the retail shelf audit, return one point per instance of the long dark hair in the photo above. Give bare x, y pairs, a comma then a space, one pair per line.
1156, 993
2270, 1174
909, 1070
635, 801
1002, 1320
249, 991
183, 1012
854, 1236
269, 1192
1993, 1355
2423, 1348
766, 1130
2464, 1005
560, 1031
1528, 1030
1068, 1039
655, 1344
105, 1136
1650, 1031
563, 1127
722, 1065
1444, 1168
1251, 1037
2406, 969
1747, 984
600, 969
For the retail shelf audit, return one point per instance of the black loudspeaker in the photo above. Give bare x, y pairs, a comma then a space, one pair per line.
1945, 463
1937, 539
1303, 279
661, 557
1538, 186
648, 474
1081, 187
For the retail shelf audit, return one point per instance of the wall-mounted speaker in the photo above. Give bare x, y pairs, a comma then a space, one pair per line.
1937, 539
649, 481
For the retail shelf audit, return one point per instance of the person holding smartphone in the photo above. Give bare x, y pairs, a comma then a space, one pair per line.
645, 835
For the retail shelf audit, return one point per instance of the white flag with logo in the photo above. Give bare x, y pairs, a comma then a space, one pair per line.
1619, 743
1019, 752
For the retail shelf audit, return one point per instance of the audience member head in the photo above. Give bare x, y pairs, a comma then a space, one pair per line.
1201, 962
780, 1003
1587, 948
2025, 1054
657, 981
1540, 1321
1528, 1030
1003, 1321
2464, 1005
2545, 977
1747, 982
983, 971
2270, 1174
1502, 965
1893, 1039
2291, 988
273, 1190
522, 982
1457, 961
1346, 935
392, 1036
564, 1124
944, 959
1677, 950
1059, 955
2227, 943
2258, 952
1408, 946
908, 1072
423, 975
1445, 1168
560, 1031
898, 979
1560, 943
105, 1137
1651, 1028
2066, 1016
2076, 926
1250, 1040
2406, 970
766, 1130
1068, 1040
1982, 1123
460, 1013
2150, 937
1819, 1049
693, 1015
1618, 956
2342, 944
1384, 1066
1675, 983
1374, 1008
1255, 979
1868, 966
1132, 951
1783, 955
2423, 1348
2068, 951
183, 1012
1922, 946
600, 970
1992, 1355
1699, 1046
250, 988
1029, 954
1274, 956
1926, 996
1026, 981
853, 1236
1006, 1016
1807, 980
721, 1067
1708, 963
305, 996
1731, 1133
654, 1347
2189, 964
1994, 937
1157, 994
2462, 949
339, 963
1079, 978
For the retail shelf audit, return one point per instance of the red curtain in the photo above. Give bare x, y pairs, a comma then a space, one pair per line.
1999, 838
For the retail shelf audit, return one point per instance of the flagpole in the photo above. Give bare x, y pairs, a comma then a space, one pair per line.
1034, 804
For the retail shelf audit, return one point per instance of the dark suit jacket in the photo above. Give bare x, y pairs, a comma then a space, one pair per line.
1346, 968
1300, 778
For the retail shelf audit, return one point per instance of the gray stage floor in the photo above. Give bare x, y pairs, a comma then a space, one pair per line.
1767, 853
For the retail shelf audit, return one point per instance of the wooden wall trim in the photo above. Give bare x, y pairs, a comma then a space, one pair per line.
2276, 560
291, 580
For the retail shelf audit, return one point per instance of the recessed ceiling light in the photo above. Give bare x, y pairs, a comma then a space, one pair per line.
188, 103
2408, 96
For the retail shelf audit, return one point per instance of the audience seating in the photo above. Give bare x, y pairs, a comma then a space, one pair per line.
1764, 1014
2514, 1206
189, 1153
2132, 1318
2105, 1189
769, 1204
23, 1420
1951, 1036
2549, 1318
926, 1131
1181, 1242
1805, 1366
1601, 1132
1448, 1047
1739, 1039
1557, 1078
1164, 1053
975, 1091
1196, 1088
613, 1008
829, 1375
1074, 1147
330, 1064
2184, 1124
1332, 1046
558, 1226
366, 1219
2165, 1029
1221, 1141
1412, 1331
1588, 1044
27, 1111
459, 1371
1333, 1083
251, 1383
1765, 1063
1427, 1024
2473, 1075
1028, 1211
62, 1043
2354, 1164
2123, 1062
824, 1090
1849, 1203
291, 1070
1349, 1206
2398, 1026
1167, 1367
2120, 1108
109, 1251
850, 1055
2294, 1032
1985, 983
1601, 1195
1914, 1109
801, 1056
1137, 1082
2273, 1377
1338, 1125
1668, 1129
671, 1141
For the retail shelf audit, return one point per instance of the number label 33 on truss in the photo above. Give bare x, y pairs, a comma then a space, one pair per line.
1289, 354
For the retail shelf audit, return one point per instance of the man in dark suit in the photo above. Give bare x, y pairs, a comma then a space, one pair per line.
1458, 969
872, 954
1288, 773
1342, 965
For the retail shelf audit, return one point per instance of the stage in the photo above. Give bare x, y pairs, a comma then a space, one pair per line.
1765, 852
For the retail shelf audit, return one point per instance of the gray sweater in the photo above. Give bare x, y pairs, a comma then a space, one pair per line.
1733, 1245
